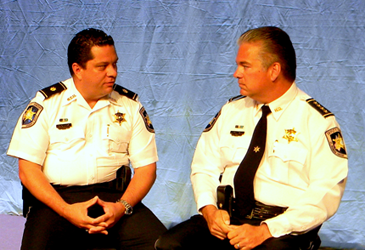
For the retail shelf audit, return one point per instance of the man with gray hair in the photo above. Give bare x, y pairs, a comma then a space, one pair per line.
271, 166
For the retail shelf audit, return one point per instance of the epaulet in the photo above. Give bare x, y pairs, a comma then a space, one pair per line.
236, 98
126, 92
52, 90
317, 106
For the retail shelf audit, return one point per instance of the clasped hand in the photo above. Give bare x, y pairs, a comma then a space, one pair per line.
241, 237
77, 214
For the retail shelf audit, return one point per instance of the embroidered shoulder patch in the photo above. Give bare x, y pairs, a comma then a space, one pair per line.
52, 90
322, 110
212, 122
126, 92
335, 140
146, 120
31, 114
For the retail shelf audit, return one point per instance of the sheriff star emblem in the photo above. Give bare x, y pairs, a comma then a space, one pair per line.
291, 135
119, 118
335, 140
31, 114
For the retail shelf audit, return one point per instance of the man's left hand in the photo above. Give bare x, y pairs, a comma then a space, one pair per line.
113, 211
247, 236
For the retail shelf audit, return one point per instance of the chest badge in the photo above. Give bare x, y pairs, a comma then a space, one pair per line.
291, 135
119, 118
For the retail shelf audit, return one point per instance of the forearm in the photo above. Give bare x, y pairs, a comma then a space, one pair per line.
141, 183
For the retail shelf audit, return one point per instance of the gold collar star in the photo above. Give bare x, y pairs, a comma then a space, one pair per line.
119, 118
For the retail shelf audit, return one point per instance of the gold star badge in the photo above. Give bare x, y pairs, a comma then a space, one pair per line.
290, 135
338, 142
31, 114
256, 149
119, 118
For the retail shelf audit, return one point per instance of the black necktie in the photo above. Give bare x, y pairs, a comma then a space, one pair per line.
243, 180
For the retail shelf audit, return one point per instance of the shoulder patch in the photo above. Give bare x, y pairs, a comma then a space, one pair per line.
236, 98
317, 106
126, 92
335, 140
52, 90
31, 114
212, 122
146, 120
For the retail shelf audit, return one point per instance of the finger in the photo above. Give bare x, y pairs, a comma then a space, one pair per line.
98, 230
101, 220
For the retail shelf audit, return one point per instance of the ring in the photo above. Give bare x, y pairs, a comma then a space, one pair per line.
238, 245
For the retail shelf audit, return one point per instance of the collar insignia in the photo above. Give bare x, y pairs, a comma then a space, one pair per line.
71, 97
119, 118
278, 109
291, 135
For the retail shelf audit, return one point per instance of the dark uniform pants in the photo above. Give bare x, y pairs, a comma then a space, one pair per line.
45, 229
194, 234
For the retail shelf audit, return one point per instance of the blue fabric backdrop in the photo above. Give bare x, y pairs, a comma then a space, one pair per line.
179, 56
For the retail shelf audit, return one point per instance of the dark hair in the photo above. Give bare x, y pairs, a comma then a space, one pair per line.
276, 47
79, 49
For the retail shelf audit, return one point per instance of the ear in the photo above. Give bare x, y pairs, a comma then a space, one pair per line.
77, 69
275, 70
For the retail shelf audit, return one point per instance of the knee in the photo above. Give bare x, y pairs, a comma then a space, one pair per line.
165, 242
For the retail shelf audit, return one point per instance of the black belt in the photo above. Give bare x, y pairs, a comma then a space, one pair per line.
262, 211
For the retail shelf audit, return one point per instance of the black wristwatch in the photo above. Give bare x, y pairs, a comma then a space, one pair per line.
128, 207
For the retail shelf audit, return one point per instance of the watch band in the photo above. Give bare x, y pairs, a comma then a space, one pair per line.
128, 207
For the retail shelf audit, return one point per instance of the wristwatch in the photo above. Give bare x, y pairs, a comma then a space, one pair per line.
128, 207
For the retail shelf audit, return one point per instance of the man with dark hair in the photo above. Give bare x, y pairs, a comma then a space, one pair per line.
75, 142
271, 167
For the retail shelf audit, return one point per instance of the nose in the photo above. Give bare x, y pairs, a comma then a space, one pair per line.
236, 74
112, 70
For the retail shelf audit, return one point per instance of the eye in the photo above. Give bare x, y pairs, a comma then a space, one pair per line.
101, 66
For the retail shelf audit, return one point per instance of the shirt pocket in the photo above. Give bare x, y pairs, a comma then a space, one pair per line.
234, 149
286, 163
66, 138
116, 139
66, 142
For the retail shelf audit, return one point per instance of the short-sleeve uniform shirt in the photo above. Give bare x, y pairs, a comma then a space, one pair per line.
77, 145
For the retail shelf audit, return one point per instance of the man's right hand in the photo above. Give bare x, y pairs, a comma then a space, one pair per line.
77, 214
218, 221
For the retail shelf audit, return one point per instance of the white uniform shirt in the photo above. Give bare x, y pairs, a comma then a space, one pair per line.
304, 166
77, 145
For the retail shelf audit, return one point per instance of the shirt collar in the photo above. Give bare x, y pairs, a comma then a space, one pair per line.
73, 94
279, 105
